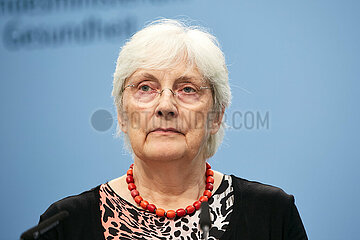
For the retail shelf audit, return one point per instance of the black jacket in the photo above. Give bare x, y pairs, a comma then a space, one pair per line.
261, 212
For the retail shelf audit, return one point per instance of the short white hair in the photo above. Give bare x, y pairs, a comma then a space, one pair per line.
164, 44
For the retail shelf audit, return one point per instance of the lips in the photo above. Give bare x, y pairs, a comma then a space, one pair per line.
166, 130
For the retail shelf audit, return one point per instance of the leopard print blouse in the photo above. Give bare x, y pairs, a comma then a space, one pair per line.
122, 220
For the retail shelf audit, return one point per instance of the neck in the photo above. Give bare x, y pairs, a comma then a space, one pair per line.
172, 184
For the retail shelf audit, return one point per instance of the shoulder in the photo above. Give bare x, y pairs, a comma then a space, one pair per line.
75, 204
84, 217
261, 195
263, 210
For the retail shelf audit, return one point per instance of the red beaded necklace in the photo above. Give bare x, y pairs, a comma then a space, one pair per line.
171, 213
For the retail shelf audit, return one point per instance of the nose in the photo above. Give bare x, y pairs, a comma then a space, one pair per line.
167, 105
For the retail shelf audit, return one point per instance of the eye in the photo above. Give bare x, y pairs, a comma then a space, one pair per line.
145, 88
189, 89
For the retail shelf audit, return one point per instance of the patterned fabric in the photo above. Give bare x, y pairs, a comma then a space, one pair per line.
122, 220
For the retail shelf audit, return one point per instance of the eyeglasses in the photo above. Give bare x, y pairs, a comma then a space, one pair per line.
147, 93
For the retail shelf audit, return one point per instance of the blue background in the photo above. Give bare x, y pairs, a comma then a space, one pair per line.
297, 61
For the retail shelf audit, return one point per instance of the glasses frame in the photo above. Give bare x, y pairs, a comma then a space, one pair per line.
162, 90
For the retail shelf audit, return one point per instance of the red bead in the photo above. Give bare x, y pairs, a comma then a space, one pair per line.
209, 179
160, 212
144, 204
138, 199
203, 199
180, 212
209, 186
131, 186
134, 193
129, 179
208, 165
207, 193
190, 209
170, 214
197, 205
209, 172
151, 208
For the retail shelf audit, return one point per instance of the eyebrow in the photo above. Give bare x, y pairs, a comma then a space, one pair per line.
150, 76
181, 78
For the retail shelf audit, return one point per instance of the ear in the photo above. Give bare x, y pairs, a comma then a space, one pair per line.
215, 121
122, 120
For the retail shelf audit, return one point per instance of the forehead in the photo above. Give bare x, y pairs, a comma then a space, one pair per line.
181, 72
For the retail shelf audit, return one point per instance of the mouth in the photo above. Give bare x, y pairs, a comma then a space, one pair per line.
166, 131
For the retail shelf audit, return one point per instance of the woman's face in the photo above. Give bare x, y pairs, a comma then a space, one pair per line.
166, 127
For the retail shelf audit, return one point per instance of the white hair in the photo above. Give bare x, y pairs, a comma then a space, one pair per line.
164, 44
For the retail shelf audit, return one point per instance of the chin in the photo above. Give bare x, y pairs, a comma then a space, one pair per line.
165, 150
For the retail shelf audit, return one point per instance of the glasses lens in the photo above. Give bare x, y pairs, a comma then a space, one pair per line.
144, 92
186, 94
190, 94
188, 98
145, 97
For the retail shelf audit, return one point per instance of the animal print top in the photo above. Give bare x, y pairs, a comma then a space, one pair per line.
122, 220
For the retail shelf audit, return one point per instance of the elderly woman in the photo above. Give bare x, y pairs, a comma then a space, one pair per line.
171, 90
